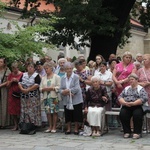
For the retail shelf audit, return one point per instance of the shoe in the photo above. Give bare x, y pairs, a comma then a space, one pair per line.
47, 131
67, 132
76, 133
126, 135
53, 131
98, 133
136, 136
94, 133
14, 129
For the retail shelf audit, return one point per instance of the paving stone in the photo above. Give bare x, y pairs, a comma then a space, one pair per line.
40, 141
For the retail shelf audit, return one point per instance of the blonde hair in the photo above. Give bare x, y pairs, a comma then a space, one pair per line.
14, 65
127, 53
48, 64
147, 55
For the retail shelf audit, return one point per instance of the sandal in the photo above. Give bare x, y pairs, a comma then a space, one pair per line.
94, 133
136, 136
126, 135
98, 133
14, 129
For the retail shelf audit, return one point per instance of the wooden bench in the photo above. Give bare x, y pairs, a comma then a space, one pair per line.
114, 112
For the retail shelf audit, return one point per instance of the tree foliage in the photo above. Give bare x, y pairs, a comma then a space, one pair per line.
83, 17
24, 42
87, 19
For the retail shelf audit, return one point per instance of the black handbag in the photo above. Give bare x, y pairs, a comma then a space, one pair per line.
146, 109
27, 127
16, 94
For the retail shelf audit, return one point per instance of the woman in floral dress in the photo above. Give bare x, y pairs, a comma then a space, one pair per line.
30, 97
84, 78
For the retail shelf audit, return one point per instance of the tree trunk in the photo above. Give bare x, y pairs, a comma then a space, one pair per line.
105, 45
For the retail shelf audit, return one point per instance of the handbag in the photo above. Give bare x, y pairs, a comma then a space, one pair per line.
27, 127
69, 104
16, 94
146, 109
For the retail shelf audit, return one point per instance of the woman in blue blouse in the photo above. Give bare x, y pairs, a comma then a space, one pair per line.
132, 98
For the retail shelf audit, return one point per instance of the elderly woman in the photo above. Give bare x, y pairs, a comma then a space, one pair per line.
60, 68
132, 98
49, 87
14, 94
30, 97
72, 96
4, 72
144, 78
84, 77
96, 99
121, 72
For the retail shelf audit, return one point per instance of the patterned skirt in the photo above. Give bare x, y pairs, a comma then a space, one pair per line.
31, 110
51, 105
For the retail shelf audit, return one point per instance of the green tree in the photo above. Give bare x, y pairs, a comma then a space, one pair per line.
105, 23
24, 42
102, 22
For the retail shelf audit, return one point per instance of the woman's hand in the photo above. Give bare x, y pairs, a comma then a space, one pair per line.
14, 80
146, 84
86, 110
129, 104
119, 85
47, 89
66, 92
25, 91
104, 99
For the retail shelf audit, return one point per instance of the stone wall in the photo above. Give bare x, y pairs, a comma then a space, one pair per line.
135, 45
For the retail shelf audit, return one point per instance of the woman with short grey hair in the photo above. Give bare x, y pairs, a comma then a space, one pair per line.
96, 99
72, 98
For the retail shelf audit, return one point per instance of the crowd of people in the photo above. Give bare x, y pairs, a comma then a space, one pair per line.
84, 90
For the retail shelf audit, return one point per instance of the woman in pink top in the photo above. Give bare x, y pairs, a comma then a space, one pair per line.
144, 75
144, 80
121, 72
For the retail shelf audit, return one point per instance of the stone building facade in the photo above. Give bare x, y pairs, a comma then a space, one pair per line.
138, 43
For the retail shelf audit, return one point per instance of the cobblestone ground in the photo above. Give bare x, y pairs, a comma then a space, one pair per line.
12, 140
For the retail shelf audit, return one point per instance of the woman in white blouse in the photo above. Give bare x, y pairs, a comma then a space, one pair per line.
49, 87
106, 80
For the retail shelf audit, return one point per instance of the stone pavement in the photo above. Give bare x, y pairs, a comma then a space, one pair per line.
12, 140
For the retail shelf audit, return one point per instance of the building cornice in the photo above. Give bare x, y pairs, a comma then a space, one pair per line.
138, 32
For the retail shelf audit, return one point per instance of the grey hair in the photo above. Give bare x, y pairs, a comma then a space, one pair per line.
133, 75
62, 59
48, 64
138, 54
68, 64
95, 77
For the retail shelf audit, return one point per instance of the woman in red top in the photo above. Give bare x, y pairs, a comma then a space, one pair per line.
14, 99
